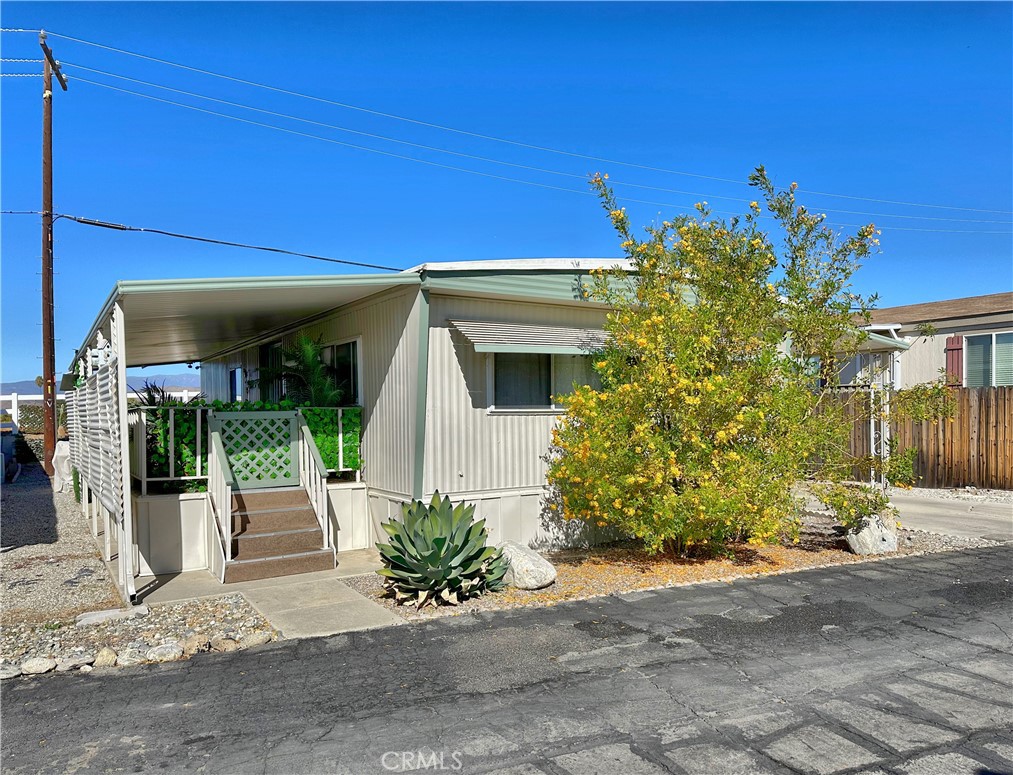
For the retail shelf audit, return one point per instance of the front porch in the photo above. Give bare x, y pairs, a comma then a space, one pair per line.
234, 490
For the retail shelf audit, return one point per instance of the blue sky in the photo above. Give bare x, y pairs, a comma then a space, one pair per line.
906, 102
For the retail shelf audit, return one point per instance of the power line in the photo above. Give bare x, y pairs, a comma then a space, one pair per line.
487, 159
121, 227
209, 240
462, 169
493, 138
386, 137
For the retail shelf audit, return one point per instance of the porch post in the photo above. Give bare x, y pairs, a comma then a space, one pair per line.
126, 542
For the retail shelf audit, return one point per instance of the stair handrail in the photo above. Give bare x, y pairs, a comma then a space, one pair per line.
313, 477
220, 481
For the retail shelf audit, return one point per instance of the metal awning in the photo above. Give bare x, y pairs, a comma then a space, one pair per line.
490, 336
878, 343
177, 321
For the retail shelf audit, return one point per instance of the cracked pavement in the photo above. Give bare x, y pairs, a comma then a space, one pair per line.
901, 666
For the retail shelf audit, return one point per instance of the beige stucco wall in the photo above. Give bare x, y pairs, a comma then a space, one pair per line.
927, 355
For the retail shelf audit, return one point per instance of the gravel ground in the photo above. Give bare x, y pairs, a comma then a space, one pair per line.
50, 566
957, 493
616, 569
51, 571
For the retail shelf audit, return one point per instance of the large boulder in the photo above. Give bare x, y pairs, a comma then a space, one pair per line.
528, 569
878, 536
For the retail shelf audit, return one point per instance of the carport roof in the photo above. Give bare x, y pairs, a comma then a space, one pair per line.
175, 321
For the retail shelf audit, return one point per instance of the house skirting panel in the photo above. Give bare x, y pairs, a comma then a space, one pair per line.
170, 533
516, 514
351, 525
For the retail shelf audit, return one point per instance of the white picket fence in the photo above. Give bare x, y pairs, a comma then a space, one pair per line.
11, 402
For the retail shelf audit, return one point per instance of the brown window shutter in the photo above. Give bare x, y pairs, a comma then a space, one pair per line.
955, 360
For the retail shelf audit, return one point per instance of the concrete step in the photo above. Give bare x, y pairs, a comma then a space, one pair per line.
272, 567
252, 546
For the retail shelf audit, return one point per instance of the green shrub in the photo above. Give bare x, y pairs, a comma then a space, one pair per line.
854, 504
900, 466
76, 479
438, 554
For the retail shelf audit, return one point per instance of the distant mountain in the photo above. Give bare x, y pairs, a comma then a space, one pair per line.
25, 386
188, 379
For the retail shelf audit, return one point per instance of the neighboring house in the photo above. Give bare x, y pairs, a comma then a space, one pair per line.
453, 364
972, 340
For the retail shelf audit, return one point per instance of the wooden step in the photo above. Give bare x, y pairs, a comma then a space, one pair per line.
278, 498
272, 567
272, 521
252, 546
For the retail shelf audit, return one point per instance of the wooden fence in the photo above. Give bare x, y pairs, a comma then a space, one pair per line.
974, 448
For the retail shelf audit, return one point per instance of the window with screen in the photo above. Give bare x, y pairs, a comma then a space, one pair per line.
530, 380
988, 360
235, 384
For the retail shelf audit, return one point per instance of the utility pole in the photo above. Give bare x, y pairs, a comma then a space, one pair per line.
49, 66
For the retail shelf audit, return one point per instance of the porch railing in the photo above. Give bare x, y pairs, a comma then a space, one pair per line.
219, 495
178, 439
313, 477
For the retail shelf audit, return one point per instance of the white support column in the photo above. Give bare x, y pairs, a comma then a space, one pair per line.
126, 543
15, 416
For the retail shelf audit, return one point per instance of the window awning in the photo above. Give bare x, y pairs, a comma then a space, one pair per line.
489, 336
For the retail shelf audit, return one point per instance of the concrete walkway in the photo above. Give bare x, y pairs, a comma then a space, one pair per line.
968, 518
300, 606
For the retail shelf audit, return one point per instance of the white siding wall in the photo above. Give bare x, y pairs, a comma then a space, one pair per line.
214, 375
469, 449
388, 326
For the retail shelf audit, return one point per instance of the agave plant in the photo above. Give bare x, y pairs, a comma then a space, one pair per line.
438, 554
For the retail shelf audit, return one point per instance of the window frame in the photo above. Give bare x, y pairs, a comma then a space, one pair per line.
239, 382
490, 388
358, 363
992, 352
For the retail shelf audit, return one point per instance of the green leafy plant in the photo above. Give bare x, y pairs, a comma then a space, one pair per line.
710, 408
307, 379
75, 477
900, 466
854, 504
438, 554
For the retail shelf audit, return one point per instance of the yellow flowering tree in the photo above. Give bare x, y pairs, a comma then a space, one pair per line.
710, 408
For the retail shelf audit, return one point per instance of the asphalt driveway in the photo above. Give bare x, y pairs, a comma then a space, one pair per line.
901, 666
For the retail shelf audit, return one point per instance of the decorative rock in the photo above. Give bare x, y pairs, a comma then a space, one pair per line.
528, 569
194, 644
86, 668
106, 657
129, 658
877, 537
167, 652
37, 665
258, 638
74, 662
109, 615
223, 645
9, 671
